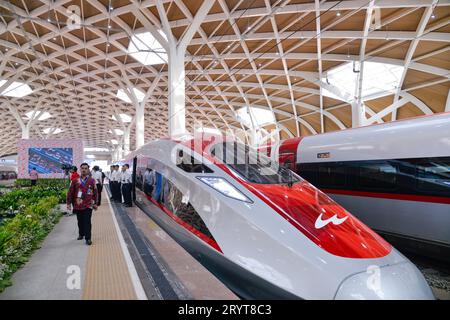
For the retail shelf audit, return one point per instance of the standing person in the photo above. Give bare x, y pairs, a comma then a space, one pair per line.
114, 181
110, 181
149, 181
74, 174
103, 176
119, 185
34, 176
97, 176
83, 195
126, 185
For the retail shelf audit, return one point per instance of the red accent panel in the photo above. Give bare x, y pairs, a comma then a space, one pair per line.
409, 197
202, 236
302, 205
289, 145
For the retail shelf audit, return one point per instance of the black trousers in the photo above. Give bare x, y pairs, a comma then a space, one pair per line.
99, 193
115, 191
126, 192
33, 183
84, 223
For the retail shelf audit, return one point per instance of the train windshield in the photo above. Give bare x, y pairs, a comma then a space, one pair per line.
253, 166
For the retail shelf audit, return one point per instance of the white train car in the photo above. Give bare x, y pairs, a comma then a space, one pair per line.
395, 177
266, 236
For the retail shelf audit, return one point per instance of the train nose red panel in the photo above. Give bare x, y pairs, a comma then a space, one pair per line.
322, 220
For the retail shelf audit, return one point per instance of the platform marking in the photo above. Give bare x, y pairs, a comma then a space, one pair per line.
138, 289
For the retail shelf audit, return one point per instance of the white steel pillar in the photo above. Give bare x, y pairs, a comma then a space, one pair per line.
176, 90
176, 49
140, 124
126, 140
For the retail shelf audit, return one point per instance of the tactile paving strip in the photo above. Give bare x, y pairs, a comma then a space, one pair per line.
107, 275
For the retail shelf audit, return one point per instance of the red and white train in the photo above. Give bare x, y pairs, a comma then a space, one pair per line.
395, 177
265, 233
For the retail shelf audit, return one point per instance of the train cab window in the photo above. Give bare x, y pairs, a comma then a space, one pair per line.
253, 166
331, 175
434, 175
377, 175
188, 163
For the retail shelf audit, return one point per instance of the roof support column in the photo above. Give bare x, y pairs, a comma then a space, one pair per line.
176, 92
358, 106
176, 50
126, 140
140, 124
447, 103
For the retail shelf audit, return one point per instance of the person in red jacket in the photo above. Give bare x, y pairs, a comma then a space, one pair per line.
74, 174
83, 195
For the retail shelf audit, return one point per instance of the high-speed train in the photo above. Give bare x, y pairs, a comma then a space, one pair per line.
263, 230
395, 177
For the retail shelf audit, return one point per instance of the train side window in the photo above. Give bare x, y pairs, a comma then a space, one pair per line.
308, 172
188, 163
434, 175
180, 206
332, 175
377, 175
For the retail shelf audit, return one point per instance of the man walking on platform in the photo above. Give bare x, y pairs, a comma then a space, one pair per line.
83, 194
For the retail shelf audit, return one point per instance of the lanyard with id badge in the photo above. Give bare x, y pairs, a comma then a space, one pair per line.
83, 183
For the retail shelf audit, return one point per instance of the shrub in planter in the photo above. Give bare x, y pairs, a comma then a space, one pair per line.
20, 235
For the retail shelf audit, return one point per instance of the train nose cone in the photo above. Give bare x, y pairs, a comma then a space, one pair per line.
401, 281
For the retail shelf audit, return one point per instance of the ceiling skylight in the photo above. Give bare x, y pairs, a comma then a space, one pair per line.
34, 114
146, 49
124, 97
260, 117
16, 89
124, 117
48, 130
380, 79
118, 132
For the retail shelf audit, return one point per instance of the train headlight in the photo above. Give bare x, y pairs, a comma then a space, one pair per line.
224, 187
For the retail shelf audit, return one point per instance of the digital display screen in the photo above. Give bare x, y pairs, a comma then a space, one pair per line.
49, 160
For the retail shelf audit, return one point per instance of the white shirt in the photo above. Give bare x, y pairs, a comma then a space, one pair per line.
97, 175
126, 176
115, 176
149, 177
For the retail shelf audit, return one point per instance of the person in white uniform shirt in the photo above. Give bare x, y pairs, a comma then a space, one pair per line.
126, 185
114, 182
97, 176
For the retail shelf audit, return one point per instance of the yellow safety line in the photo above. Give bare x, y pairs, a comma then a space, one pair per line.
107, 275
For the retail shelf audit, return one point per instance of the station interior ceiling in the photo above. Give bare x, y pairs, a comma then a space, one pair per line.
294, 63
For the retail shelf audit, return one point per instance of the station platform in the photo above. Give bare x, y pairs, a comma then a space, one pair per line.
131, 258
